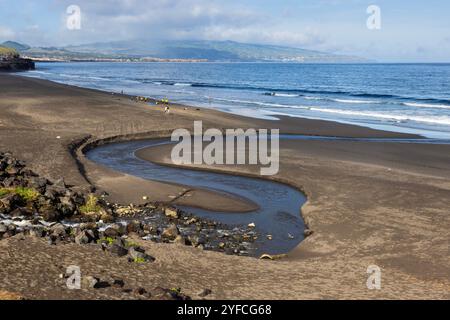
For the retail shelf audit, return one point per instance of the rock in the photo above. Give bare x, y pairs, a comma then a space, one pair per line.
197, 240
38, 232
118, 283
59, 186
50, 214
138, 254
111, 233
180, 240
58, 230
308, 232
21, 212
3, 228
89, 282
204, 293
38, 183
102, 285
170, 233
9, 202
252, 225
84, 237
168, 294
269, 237
134, 227
171, 213
141, 292
191, 221
118, 250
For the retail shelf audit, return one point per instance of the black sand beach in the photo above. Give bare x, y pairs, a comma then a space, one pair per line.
368, 203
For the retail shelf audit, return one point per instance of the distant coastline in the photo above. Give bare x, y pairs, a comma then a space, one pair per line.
52, 59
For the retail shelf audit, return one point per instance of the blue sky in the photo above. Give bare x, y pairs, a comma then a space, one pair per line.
410, 30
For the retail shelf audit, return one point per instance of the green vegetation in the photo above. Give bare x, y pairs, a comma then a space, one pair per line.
8, 52
107, 240
91, 205
131, 244
139, 260
27, 194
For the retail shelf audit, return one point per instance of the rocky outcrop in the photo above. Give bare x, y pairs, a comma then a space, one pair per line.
16, 64
33, 205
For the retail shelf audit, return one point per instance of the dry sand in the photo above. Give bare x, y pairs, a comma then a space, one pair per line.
368, 203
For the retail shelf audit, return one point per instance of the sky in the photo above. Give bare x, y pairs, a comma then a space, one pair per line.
410, 31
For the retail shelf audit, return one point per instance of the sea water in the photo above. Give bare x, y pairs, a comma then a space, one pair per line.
412, 98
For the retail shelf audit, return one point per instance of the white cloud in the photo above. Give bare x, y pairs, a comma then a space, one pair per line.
6, 33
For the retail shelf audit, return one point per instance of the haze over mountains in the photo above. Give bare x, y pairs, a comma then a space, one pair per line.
181, 50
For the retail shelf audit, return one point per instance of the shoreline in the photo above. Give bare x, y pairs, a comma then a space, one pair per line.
367, 203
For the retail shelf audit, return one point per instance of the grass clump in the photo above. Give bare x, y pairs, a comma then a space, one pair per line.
131, 244
139, 260
107, 240
91, 205
27, 194
4, 192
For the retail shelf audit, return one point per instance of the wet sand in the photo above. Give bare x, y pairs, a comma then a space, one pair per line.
368, 203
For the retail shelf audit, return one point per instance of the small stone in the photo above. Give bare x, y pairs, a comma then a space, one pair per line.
269, 237
118, 250
84, 237
89, 281
180, 240
111, 233
252, 225
171, 213
145, 198
58, 230
118, 283
308, 232
171, 232
266, 257
138, 254
140, 291
204, 293
102, 285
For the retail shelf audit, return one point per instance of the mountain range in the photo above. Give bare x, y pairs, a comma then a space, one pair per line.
202, 50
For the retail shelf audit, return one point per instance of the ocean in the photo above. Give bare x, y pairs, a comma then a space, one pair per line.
413, 98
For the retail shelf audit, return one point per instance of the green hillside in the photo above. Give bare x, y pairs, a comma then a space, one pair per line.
8, 52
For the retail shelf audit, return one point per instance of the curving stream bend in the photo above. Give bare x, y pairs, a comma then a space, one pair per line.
279, 213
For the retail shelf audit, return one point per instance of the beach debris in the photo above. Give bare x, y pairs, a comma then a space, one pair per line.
272, 257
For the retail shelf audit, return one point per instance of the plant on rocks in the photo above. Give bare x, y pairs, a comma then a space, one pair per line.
91, 205
27, 194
